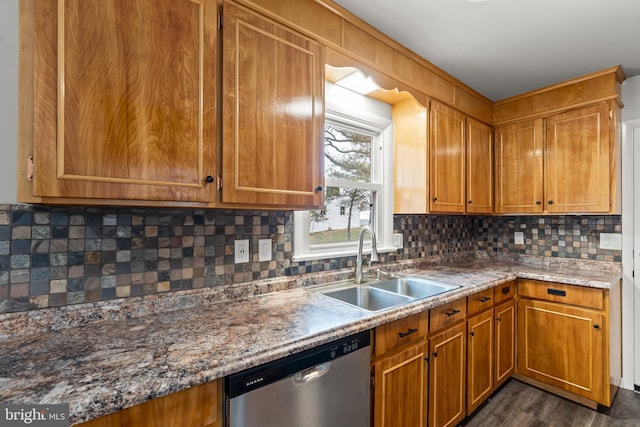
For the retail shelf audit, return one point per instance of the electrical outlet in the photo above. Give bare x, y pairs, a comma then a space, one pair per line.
518, 238
241, 248
398, 241
611, 241
264, 250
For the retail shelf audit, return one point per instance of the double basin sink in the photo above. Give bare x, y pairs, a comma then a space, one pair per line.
387, 293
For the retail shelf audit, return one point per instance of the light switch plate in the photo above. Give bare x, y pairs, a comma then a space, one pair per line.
398, 241
264, 250
241, 248
518, 238
611, 241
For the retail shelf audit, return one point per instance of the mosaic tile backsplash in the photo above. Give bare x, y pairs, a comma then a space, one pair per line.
54, 256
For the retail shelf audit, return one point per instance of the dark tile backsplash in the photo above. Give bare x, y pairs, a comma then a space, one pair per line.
53, 256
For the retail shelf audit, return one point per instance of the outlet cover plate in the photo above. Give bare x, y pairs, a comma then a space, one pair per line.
518, 238
241, 248
398, 241
611, 241
264, 250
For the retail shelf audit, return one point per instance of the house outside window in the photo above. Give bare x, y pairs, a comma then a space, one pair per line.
358, 179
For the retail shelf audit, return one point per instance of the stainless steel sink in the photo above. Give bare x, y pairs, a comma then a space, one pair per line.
368, 298
413, 287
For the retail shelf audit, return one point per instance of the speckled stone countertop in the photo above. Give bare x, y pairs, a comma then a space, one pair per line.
105, 356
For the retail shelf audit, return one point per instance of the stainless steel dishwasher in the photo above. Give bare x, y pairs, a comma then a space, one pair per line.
326, 386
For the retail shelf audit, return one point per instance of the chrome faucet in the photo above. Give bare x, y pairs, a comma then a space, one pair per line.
374, 251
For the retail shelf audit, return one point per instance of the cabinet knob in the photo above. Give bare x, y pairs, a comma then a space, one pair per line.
549, 202
497, 319
435, 199
473, 334
538, 202
318, 188
596, 326
434, 354
209, 179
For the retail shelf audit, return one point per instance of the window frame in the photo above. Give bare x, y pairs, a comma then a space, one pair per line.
352, 117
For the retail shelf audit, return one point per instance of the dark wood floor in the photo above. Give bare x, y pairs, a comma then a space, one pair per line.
521, 405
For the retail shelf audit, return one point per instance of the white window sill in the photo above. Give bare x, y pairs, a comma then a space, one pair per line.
340, 253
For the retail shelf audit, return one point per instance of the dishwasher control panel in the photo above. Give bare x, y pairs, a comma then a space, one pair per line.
251, 379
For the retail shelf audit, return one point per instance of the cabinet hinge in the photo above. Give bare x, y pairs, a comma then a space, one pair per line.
611, 114
373, 380
219, 182
219, 21
30, 168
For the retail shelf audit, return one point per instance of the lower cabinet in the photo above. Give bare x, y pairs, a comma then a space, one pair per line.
400, 388
399, 372
569, 340
505, 336
447, 377
199, 406
480, 359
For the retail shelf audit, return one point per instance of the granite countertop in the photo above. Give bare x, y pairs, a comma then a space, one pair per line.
102, 357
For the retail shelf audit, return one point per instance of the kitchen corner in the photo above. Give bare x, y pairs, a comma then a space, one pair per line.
104, 356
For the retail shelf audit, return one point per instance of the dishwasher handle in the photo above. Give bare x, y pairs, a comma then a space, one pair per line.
311, 374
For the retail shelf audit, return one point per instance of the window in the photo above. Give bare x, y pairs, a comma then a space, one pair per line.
358, 179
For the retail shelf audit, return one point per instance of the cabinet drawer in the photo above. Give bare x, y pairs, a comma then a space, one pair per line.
400, 332
479, 301
504, 291
558, 292
447, 314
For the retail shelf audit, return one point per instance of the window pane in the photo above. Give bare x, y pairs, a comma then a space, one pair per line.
346, 211
347, 154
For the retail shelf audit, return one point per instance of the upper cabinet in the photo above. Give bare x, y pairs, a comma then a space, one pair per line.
558, 148
461, 162
273, 124
117, 100
479, 167
119, 105
519, 167
447, 166
577, 168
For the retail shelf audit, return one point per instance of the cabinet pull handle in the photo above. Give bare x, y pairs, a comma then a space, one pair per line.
538, 202
485, 299
318, 188
549, 202
557, 292
505, 290
596, 326
452, 312
409, 332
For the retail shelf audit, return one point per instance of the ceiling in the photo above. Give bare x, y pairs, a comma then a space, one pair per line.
502, 48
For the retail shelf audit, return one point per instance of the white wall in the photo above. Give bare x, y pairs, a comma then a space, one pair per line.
8, 99
630, 291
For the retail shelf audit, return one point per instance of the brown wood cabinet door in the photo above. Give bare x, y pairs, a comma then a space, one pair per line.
400, 387
562, 345
479, 359
199, 406
447, 377
447, 159
273, 113
124, 99
519, 167
479, 167
505, 345
577, 170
